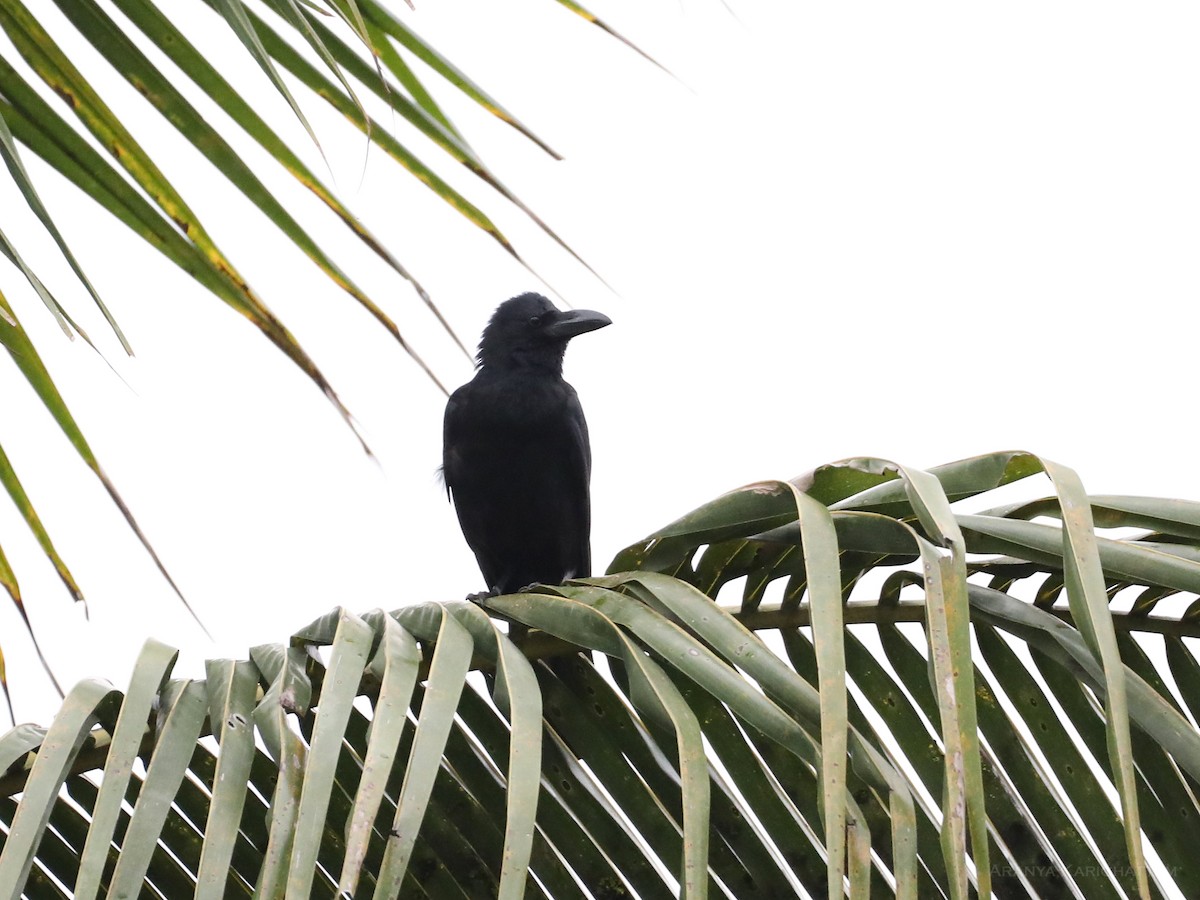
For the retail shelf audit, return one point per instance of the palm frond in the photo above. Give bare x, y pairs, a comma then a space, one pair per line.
952, 732
356, 56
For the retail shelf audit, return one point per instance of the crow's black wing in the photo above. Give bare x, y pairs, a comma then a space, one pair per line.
577, 472
466, 470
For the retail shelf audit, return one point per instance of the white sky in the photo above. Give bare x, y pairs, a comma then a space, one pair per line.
846, 229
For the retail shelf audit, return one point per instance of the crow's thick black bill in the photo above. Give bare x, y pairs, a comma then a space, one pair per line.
516, 455
575, 322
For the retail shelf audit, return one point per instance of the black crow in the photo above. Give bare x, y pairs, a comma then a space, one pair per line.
516, 457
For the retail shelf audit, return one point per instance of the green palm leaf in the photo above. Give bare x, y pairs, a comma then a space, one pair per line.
651, 736
346, 52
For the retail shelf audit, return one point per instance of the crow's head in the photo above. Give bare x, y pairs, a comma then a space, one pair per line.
529, 332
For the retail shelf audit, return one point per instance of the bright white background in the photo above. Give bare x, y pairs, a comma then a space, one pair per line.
919, 232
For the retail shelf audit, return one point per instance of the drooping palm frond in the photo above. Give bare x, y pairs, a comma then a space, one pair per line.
359, 56
991, 716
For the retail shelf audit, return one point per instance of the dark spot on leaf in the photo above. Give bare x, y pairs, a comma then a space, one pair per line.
288, 700
66, 95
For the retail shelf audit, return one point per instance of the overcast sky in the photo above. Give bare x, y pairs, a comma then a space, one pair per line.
917, 233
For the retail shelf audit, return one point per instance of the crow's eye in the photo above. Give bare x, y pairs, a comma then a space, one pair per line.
535, 321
